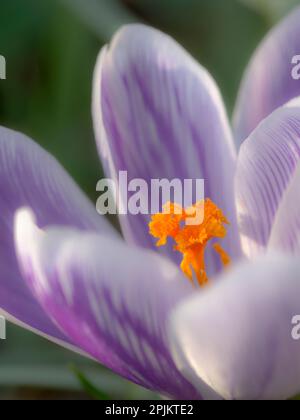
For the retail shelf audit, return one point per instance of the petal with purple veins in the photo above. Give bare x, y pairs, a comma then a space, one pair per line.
267, 163
158, 114
239, 337
29, 176
285, 235
112, 301
268, 82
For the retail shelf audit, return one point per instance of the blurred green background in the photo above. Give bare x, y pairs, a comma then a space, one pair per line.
51, 48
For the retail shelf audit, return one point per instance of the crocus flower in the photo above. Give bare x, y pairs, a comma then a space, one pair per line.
67, 274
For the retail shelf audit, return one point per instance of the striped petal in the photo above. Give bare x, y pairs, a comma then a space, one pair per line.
112, 301
267, 163
271, 79
159, 115
30, 176
285, 235
240, 336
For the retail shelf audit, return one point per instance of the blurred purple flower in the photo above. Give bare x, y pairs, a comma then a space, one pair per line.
157, 113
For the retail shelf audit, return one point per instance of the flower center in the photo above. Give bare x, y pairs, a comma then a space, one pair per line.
191, 239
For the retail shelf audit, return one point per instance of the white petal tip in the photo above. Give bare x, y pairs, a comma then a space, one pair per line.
25, 229
294, 103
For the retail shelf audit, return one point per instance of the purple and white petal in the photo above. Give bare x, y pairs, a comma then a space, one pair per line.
29, 176
111, 300
269, 82
55, 335
285, 235
239, 336
158, 114
267, 163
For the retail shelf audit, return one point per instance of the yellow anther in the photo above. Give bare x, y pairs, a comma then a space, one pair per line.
191, 240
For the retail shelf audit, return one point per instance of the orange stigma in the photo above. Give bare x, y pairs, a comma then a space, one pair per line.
191, 239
